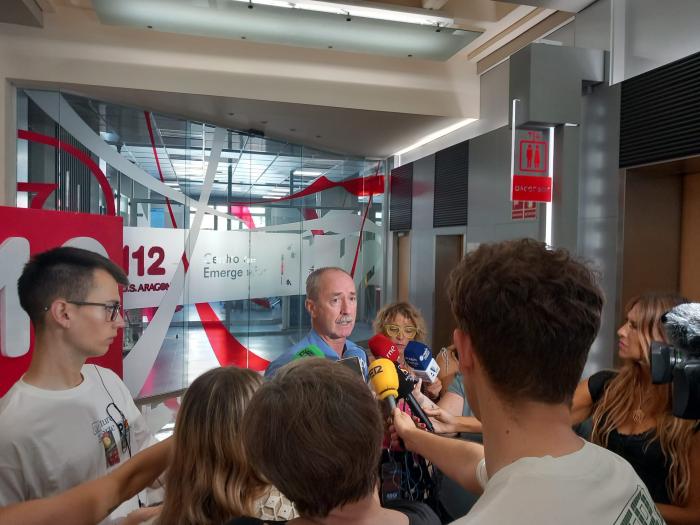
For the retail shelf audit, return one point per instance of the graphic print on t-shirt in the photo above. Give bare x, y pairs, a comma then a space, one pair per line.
110, 446
639, 510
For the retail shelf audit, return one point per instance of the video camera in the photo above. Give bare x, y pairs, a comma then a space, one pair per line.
679, 361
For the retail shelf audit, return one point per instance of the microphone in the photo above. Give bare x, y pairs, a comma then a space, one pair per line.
360, 355
308, 351
385, 381
381, 346
420, 359
406, 385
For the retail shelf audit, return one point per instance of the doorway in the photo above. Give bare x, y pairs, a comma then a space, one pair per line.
448, 252
661, 241
403, 265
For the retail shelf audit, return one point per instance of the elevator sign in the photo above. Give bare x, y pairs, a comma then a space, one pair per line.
531, 180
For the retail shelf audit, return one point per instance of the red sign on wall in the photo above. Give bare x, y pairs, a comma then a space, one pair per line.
535, 188
531, 180
23, 233
523, 210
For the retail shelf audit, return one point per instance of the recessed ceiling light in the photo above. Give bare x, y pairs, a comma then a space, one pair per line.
436, 135
306, 173
353, 10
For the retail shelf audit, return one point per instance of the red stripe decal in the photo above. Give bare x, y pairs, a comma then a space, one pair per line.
359, 240
78, 154
43, 191
228, 350
361, 187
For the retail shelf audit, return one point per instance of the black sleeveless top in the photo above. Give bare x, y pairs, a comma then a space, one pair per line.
641, 451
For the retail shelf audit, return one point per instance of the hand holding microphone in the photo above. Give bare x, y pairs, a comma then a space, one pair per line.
382, 347
406, 386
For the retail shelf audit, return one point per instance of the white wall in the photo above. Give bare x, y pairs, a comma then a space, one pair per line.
493, 114
650, 33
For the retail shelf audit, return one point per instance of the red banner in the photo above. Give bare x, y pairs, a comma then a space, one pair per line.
533, 188
361, 187
23, 233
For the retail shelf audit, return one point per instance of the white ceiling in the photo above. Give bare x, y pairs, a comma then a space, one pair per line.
294, 27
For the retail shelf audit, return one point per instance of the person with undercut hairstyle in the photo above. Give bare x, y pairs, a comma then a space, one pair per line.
527, 315
66, 422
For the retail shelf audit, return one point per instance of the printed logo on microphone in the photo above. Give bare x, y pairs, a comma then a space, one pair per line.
376, 369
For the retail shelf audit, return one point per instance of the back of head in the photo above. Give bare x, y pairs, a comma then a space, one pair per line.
61, 273
532, 314
209, 480
314, 431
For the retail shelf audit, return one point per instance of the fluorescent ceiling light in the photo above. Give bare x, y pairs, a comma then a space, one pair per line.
436, 135
307, 173
416, 16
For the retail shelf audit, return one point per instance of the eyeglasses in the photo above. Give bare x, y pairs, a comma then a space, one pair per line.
112, 308
393, 330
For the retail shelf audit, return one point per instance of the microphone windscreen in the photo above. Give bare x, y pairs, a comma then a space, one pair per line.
406, 382
381, 346
308, 351
384, 379
419, 357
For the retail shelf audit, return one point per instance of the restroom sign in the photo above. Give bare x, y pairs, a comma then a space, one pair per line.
533, 156
531, 180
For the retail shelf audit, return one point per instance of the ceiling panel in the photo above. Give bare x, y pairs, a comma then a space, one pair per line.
296, 27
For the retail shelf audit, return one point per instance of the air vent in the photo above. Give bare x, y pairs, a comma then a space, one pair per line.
451, 181
660, 114
401, 203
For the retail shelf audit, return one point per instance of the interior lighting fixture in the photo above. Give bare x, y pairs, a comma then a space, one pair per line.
307, 173
436, 135
350, 10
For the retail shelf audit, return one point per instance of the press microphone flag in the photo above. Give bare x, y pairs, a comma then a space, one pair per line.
419, 357
308, 351
385, 381
381, 346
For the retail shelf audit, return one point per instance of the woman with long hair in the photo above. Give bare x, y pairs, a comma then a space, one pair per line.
632, 417
209, 480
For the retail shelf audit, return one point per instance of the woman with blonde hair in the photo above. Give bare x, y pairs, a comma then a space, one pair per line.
210, 480
632, 417
402, 322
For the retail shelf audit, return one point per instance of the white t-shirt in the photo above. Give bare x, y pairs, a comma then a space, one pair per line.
592, 485
52, 440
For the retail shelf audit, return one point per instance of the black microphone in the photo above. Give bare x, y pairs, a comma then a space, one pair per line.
406, 386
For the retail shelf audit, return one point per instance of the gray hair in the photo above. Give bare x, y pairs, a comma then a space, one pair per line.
314, 278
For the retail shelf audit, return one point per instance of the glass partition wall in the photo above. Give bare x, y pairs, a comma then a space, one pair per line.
221, 228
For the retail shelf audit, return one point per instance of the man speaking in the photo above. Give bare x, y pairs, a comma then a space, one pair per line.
331, 300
